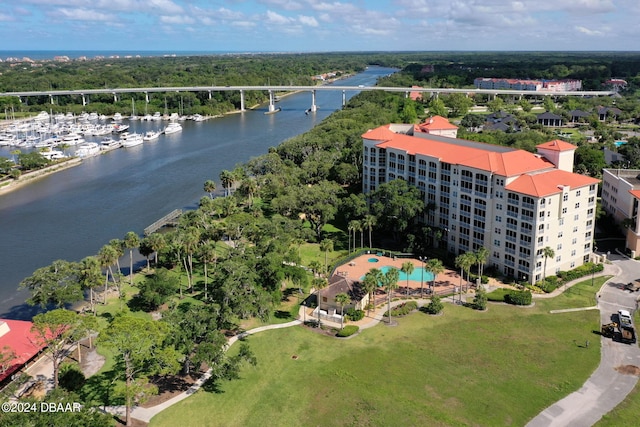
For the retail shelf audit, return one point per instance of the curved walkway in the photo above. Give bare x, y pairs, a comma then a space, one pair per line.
609, 384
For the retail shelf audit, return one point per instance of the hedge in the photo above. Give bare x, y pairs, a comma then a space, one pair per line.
403, 309
518, 298
347, 331
354, 315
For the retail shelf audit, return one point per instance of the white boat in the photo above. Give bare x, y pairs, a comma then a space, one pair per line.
151, 135
117, 117
198, 118
88, 149
72, 139
131, 140
119, 127
108, 144
172, 127
53, 154
156, 116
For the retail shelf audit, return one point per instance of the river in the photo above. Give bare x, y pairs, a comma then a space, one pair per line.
73, 213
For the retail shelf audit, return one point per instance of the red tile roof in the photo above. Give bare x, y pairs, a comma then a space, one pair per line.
21, 341
635, 193
557, 145
549, 182
509, 163
436, 123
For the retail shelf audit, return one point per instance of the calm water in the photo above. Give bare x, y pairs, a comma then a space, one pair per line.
73, 213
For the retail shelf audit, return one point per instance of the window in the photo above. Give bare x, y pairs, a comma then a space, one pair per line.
565, 197
564, 210
499, 206
578, 193
577, 206
498, 219
497, 230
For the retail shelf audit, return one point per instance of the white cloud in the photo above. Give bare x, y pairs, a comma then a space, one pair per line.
309, 21
6, 18
177, 19
83, 15
588, 31
277, 19
284, 4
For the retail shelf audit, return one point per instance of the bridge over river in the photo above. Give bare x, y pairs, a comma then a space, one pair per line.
272, 90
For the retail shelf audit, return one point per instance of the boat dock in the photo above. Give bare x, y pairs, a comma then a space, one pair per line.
168, 219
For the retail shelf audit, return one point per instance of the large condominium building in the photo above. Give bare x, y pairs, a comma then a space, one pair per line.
527, 84
620, 199
510, 201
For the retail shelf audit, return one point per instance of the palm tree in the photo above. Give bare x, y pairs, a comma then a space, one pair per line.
407, 268
464, 261
319, 283
547, 252
89, 275
117, 244
482, 255
353, 226
326, 246
370, 284
157, 243
315, 267
390, 283
226, 179
342, 299
190, 239
210, 187
207, 254
436, 267
131, 241
107, 256
368, 222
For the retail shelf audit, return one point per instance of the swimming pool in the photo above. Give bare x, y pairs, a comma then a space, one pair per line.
415, 276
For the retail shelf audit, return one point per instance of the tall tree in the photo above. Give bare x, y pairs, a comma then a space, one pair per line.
326, 246
157, 242
436, 267
55, 330
137, 344
407, 268
208, 255
226, 179
210, 187
370, 283
89, 276
56, 284
319, 283
395, 204
369, 222
390, 283
482, 255
131, 241
107, 255
342, 299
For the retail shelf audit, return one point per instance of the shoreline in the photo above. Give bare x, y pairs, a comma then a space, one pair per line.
30, 177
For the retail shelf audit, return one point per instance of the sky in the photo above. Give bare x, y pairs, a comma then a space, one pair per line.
319, 25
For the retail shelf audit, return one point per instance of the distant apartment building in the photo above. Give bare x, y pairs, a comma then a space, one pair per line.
528, 84
620, 199
512, 202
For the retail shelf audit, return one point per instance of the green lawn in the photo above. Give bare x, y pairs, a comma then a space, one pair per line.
500, 367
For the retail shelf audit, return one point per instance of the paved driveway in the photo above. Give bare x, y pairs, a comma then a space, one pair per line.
609, 384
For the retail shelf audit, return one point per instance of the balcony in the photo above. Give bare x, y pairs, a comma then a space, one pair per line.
510, 239
512, 227
509, 263
512, 214
528, 205
510, 251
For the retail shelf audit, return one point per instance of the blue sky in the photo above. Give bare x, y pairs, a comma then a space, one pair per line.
319, 25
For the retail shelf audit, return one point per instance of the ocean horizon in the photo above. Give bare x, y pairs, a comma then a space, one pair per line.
90, 54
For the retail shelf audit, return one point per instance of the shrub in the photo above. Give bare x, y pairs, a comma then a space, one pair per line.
435, 306
354, 315
578, 272
403, 309
483, 279
71, 377
518, 298
480, 300
347, 331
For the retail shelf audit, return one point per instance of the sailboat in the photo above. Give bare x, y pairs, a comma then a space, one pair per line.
133, 110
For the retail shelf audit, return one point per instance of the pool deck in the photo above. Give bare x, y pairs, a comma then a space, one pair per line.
358, 267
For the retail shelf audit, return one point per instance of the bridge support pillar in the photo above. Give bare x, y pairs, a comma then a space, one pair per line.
344, 98
209, 94
314, 107
272, 106
406, 94
146, 97
84, 100
115, 97
242, 107
51, 99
